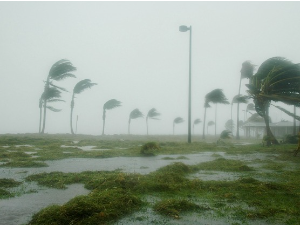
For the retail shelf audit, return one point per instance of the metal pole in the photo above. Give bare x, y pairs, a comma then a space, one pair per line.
190, 71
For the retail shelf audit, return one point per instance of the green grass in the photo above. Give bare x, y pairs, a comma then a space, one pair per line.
266, 190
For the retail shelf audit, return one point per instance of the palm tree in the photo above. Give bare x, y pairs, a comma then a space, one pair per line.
60, 70
238, 99
215, 96
229, 125
152, 114
250, 107
210, 123
196, 121
136, 113
50, 95
177, 120
79, 87
110, 104
277, 79
246, 72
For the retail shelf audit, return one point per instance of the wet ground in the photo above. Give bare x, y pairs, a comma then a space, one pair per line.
18, 210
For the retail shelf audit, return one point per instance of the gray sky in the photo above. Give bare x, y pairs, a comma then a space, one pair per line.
136, 54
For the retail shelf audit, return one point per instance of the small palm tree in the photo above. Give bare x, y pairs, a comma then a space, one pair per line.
210, 123
60, 70
110, 104
136, 113
152, 114
50, 95
196, 121
177, 120
79, 87
229, 125
215, 96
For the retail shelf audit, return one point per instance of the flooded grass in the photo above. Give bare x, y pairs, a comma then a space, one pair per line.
182, 184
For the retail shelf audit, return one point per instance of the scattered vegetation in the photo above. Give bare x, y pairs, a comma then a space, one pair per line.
149, 148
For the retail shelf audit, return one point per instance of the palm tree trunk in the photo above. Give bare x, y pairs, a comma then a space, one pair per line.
173, 128
270, 137
147, 124
41, 114
203, 135
103, 118
231, 119
44, 118
216, 121
238, 114
71, 116
129, 126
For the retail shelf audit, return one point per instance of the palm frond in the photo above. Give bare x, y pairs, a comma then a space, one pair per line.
247, 69
197, 121
112, 103
216, 96
226, 134
51, 93
136, 113
53, 109
210, 123
288, 112
56, 100
178, 120
250, 107
61, 69
60, 88
152, 113
240, 99
83, 85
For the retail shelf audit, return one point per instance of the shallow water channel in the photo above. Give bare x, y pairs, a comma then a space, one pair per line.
18, 210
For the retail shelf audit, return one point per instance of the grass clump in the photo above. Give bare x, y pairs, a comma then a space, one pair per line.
221, 164
5, 194
99, 207
149, 148
24, 164
8, 183
173, 207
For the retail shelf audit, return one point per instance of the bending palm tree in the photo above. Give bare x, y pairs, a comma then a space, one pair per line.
50, 95
136, 113
215, 96
110, 104
196, 121
238, 99
277, 79
246, 72
79, 87
177, 120
59, 71
152, 114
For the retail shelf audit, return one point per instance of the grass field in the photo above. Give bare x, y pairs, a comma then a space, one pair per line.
241, 183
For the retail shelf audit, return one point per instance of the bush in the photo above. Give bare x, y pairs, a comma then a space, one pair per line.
290, 139
149, 148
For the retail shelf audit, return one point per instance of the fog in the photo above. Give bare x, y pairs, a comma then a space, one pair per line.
136, 54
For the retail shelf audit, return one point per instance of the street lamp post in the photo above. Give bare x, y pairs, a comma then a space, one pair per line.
184, 28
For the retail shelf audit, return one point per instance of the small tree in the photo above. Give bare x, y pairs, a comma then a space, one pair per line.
136, 113
177, 120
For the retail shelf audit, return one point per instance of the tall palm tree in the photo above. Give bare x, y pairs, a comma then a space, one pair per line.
152, 114
215, 96
238, 99
50, 95
60, 70
247, 71
177, 120
110, 104
136, 113
79, 87
277, 79
196, 121
210, 123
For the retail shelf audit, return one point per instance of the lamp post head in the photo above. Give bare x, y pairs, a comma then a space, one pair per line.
183, 28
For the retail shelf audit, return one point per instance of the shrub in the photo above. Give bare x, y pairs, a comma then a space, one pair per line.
149, 148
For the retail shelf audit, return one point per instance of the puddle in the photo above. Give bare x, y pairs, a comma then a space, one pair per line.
23, 146
215, 175
86, 148
18, 210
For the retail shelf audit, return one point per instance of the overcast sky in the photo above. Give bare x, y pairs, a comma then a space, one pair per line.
136, 54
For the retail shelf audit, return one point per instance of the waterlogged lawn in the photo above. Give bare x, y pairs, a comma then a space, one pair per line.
264, 189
